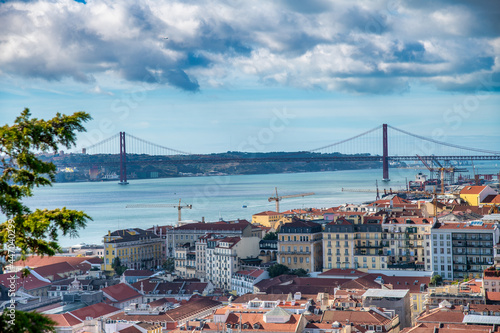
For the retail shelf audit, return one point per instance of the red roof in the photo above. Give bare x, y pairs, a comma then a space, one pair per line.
121, 292
63, 320
37, 261
472, 189
28, 282
94, 311
493, 199
57, 271
493, 296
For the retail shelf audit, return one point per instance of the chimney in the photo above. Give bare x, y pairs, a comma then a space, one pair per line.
203, 219
426, 308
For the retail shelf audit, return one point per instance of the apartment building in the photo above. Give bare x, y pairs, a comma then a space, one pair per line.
191, 232
354, 243
226, 255
243, 281
268, 219
300, 245
136, 248
407, 242
463, 249
185, 261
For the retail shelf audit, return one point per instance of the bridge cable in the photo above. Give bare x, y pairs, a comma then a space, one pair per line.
444, 143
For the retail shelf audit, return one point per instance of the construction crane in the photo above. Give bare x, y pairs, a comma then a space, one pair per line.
179, 207
442, 170
278, 198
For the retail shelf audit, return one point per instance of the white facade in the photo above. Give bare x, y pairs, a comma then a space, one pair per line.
243, 281
226, 255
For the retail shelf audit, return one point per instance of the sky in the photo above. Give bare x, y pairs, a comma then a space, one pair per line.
211, 75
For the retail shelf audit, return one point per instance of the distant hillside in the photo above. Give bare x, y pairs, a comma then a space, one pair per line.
78, 166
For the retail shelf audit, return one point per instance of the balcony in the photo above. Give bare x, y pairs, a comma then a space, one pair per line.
293, 252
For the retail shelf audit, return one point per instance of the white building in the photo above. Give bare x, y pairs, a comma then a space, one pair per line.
243, 281
464, 248
226, 255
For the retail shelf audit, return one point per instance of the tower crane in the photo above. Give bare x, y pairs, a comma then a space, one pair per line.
277, 198
178, 206
442, 170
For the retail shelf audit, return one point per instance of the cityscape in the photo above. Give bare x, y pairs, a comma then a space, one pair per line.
325, 166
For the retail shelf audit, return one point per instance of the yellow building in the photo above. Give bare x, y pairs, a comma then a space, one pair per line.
268, 219
136, 248
354, 243
299, 245
474, 195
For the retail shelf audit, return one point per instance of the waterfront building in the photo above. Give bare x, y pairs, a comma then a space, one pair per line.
407, 242
136, 248
300, 245
461, 250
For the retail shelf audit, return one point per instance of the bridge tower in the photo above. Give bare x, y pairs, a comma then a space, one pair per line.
123, 160
385, 157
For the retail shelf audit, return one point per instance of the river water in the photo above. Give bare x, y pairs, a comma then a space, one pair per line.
212, 197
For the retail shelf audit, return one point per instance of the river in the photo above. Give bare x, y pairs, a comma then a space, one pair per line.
212, 197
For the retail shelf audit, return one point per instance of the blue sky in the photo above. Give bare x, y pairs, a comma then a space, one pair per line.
310, 73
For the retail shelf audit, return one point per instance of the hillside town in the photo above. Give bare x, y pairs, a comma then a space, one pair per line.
392, 265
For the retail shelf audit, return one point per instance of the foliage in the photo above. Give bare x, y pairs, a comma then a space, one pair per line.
22, 170
20, 321
117, 266
169, 265
271, 235
277, 270
300, 272
436, 280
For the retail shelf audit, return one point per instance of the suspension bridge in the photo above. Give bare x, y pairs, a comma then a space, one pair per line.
384, 143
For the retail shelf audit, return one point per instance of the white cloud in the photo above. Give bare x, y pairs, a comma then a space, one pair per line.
334, 46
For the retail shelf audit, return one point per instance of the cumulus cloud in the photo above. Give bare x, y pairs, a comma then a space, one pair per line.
361, 47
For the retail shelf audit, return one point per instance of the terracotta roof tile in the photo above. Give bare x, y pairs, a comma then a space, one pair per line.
63, 320
121, 292
94, 311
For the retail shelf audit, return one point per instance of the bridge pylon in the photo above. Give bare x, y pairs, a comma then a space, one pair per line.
123, 160
385, 157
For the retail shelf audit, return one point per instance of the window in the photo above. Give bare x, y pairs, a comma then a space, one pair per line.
346, 236
307, 260
373, 259
289, 260
283, 259
294, 260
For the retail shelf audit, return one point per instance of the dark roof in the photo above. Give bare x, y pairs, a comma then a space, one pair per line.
138, 272
215, 226
129, 235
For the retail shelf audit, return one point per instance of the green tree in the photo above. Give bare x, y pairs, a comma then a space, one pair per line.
436, 279
22, 170
277, 270
270, 236
300, 272
169, 265
117, 266
20, 321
